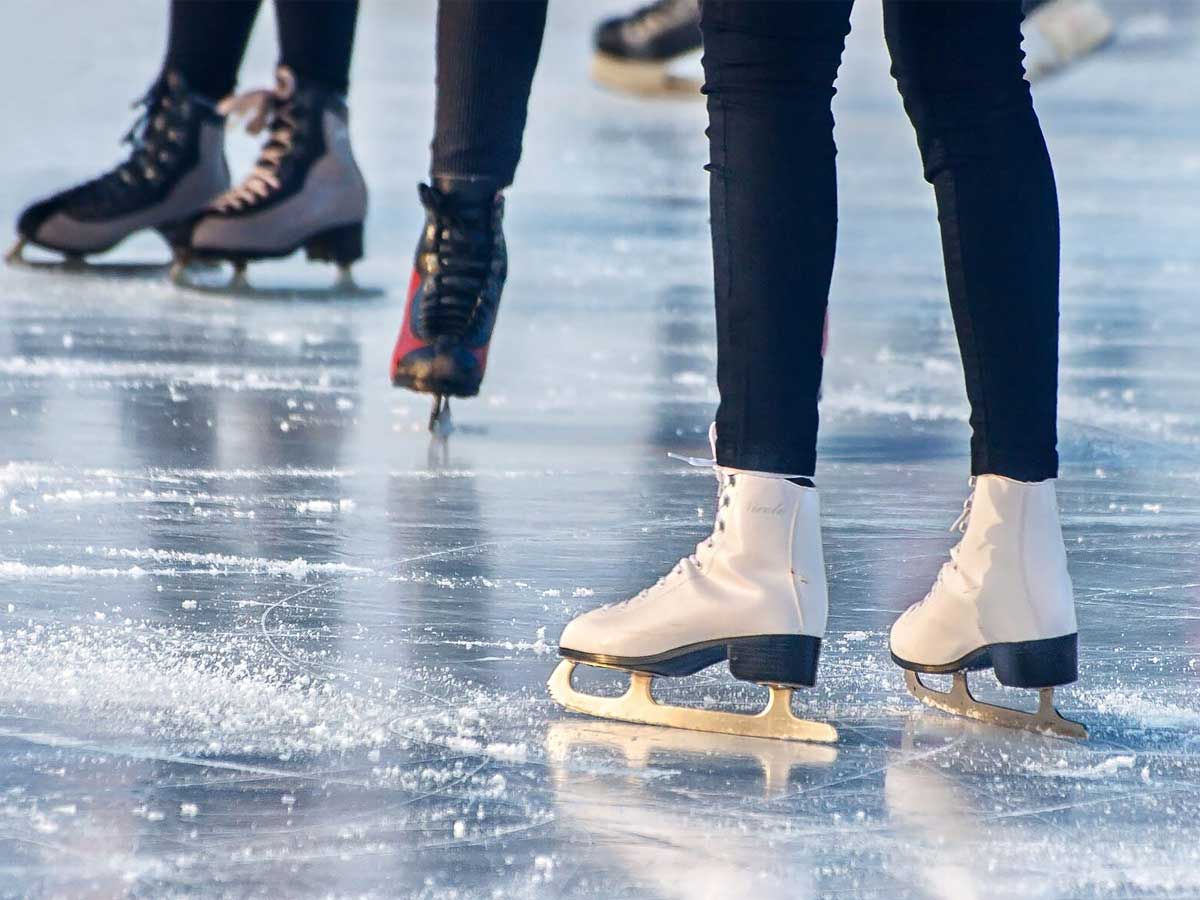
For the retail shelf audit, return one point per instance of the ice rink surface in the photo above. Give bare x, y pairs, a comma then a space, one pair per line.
260, 637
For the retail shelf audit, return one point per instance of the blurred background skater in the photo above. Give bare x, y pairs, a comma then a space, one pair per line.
644, 52
637, 52
1060, 32
487, 51
176, 180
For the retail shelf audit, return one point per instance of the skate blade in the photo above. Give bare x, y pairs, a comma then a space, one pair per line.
242, 289
959, 701
646, 79
440, 423
14, 256
776, 722
79, 266
315, 294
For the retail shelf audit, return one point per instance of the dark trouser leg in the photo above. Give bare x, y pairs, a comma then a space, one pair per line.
487, 51
958, 67
769, 71
207, 40
316, 40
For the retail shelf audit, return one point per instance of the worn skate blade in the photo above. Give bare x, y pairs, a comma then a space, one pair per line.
647, 79
959, 701
637, 705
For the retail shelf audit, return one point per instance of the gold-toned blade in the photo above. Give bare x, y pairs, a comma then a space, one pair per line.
637, 705
13, 257
959, 701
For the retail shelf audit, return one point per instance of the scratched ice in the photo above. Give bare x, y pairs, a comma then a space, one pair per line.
258, 638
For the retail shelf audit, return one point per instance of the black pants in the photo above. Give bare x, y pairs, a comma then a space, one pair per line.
487, 51
207, 40
770, 69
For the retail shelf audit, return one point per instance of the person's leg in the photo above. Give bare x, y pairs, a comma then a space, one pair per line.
754, 592
958, 68
206, 42
769, 70
1004, 599
316, 40
487, 51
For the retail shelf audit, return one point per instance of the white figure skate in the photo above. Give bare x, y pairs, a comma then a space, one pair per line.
1003, 602
753, 593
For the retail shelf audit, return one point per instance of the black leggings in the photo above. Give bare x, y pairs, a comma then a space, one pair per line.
207, 40
487, 51
770, 69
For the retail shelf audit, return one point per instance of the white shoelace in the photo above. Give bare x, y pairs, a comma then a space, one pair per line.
694, 559
960, 525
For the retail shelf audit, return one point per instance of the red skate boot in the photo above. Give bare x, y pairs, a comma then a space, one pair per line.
454, 295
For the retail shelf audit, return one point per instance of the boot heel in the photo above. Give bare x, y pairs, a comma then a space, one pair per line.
1037, 664
787, 659
178, 235
342, 245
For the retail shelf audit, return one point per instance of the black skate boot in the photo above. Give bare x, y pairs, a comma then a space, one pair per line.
176, 167
305, 191
634, 52
453, 296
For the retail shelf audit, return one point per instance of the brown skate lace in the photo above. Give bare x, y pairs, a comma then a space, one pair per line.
261, 108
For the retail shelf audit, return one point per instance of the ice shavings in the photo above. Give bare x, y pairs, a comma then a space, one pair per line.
1106, 768
175, 564
220, 563
169, 684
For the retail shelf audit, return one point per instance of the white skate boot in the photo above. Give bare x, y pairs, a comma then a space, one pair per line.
753, 593
1002, 602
